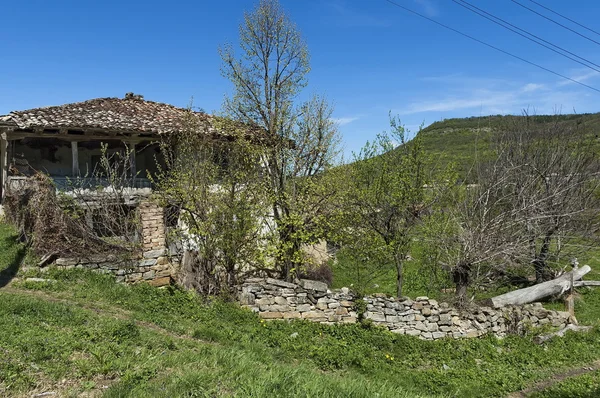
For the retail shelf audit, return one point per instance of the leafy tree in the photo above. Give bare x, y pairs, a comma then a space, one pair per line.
390, 189
216, 190
267, 79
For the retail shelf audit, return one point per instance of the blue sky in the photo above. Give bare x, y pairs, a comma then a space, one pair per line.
368, 57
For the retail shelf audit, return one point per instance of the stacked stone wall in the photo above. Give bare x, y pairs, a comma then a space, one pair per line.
152, 264
422, 317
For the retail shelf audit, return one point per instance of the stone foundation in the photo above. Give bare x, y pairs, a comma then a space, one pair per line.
422, 317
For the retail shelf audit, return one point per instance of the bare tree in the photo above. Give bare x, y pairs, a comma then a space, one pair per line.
539, 192
555, 186
267, 79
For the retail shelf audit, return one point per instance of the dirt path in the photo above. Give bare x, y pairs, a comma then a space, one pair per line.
557, 378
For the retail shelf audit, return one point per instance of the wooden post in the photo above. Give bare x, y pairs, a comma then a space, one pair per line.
131, 149
75, 156
3, 164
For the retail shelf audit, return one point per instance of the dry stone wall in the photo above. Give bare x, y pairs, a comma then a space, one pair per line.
152, 265
422, 317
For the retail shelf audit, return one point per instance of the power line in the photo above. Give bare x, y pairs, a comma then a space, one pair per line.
491, 46
510, 27
556, 22
565, 17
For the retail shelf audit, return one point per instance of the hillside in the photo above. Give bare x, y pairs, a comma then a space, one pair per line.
464, 140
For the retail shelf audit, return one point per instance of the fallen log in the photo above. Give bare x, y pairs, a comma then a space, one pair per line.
586, 283
561, 333
537, 292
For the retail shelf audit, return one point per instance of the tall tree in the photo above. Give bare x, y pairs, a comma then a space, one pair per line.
267, 79
216, 190
389, 190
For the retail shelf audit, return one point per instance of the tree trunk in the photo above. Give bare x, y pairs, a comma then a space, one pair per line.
540, 262
461, 278
399, 275
537, 292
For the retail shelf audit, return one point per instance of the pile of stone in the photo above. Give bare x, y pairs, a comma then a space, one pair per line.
422, 317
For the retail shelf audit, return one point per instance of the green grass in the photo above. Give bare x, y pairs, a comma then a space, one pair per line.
584, 386
11, 253
83, 332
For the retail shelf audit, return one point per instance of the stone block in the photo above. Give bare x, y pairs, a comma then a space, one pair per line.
375, 316
279, 308
334, 318
432, 327
66, 261
445, 319
341, 311
426, 311
280, 283
438, 335
413, 332
154, 253
422, 298
314, 316
148, 275
417, 306
303, 307
313, 285
427, 335
148, 262
333, 305
271, 315
474, 333
164, 281
421, 326
265, 301
292, 315
322, 304
280, 301
247, 299
398, 331
393, 319
163, 260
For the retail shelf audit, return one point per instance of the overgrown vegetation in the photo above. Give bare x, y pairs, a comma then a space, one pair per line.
139, 340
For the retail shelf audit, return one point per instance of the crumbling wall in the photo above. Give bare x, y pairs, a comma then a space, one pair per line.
421, 317
152, 264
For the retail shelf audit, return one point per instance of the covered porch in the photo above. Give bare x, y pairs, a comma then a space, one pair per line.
77, 159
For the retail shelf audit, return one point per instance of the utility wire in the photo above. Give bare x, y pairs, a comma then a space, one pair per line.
562, 16
491, 46
556, 22
510, 27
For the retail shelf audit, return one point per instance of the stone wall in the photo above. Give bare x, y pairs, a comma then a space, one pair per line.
152, 264
422, 317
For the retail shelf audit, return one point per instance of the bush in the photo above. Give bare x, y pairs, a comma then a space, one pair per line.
321, 273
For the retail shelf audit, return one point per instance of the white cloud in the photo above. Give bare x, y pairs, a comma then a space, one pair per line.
475, 97
529, 87
344, 120
428, 7
580, 77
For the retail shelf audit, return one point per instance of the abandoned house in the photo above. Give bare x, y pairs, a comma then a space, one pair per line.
67, 143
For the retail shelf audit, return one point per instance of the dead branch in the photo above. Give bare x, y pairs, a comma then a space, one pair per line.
560, 333
537, 292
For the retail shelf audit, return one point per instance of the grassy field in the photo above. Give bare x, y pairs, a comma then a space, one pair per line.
81, 334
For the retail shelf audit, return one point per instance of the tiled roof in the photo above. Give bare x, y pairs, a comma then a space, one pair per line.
129, 114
